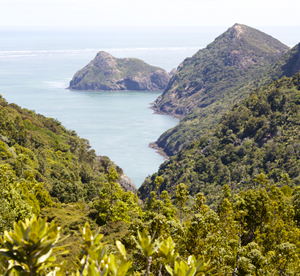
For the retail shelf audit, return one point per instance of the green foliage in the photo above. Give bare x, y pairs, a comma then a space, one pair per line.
251, 233
181, 198
18, 198
145, 244
113, 203
96, 258
190, 267
208, 84
257, 142
31, 248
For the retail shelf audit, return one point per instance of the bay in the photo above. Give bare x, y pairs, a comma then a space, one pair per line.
117, 124
36, 66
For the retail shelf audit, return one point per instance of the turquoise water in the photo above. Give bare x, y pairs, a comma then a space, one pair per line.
37, 65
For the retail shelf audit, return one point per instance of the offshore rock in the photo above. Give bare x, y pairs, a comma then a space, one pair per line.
106, 72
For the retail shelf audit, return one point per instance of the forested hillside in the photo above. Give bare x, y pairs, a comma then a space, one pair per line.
287, 65
259, 138
43, 165
248, 168
211, 81
196, 124
253, 233
228, 202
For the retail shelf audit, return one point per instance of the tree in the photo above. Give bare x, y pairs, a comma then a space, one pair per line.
181, 198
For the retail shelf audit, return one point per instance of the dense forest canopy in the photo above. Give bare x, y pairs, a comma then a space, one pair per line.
259, 136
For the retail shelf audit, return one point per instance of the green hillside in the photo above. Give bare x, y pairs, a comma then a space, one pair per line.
212, 80
192, 126
43, 165
258, 138
287, 65
91, 226
236, 57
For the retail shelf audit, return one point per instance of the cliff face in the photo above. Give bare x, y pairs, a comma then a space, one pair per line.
106, 72
234, 58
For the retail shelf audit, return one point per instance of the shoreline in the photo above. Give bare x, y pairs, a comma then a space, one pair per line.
153, 145
157, 111
159, 150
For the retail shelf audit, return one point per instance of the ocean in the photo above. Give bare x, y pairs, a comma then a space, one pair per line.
36, 66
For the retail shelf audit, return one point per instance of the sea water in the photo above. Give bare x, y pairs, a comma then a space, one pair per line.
36, 66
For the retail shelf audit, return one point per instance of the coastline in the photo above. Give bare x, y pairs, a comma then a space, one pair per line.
158, 111
159, 150
154, 145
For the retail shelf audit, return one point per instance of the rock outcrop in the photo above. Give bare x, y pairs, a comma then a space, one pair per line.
106, 72
126, 183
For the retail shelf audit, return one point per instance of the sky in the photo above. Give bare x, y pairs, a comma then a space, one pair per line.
95, 13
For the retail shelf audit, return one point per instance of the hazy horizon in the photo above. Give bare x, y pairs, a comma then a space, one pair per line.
131, 37
97, 13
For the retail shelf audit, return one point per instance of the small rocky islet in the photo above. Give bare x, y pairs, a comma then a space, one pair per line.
106, 72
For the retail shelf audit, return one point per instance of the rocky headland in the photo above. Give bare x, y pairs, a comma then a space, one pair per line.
106, 72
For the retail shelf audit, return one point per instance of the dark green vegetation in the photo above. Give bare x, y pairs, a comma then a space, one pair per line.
253, 233
106, 72
287, 65
43, 165
258, 138
236, 57
211, 81
251, 226
226, 204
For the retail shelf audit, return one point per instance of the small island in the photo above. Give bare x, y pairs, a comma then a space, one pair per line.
106, 72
